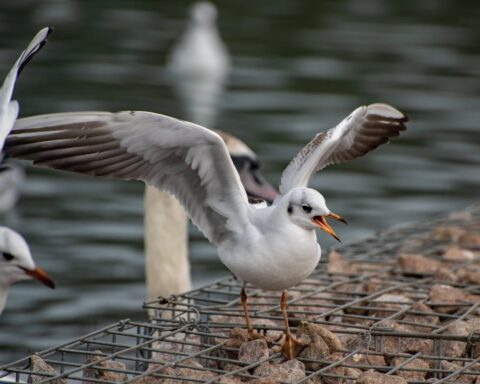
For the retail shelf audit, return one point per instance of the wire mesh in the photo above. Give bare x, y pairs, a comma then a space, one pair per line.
404, 304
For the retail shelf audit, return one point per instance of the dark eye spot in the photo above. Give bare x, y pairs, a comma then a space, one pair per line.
7, 256
241, 162
289, 209
254, 165
307, 208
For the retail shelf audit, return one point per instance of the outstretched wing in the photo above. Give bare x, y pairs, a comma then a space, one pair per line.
182, 158
8, 107
361, 132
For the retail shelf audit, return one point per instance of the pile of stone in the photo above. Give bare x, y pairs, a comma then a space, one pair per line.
410, 318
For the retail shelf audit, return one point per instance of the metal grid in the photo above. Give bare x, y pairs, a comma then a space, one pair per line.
385, 317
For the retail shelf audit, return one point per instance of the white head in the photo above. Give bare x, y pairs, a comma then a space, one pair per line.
16, 262
204, 13
307, 208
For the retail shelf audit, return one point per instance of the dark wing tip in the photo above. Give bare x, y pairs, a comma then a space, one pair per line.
32, 51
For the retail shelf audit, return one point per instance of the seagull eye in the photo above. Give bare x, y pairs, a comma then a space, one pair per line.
7, 256
307, 208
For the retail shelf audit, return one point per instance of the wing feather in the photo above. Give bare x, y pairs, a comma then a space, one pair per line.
8, 107
362, 131
182, 158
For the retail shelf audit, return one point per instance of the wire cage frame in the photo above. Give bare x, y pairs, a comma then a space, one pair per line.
388, 312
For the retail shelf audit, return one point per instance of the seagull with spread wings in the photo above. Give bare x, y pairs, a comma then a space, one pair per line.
274, 247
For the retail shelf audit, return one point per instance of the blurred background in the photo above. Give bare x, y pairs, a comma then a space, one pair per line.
298, 67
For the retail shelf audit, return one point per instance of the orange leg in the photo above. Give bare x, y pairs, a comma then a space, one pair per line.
290, 345
243, 296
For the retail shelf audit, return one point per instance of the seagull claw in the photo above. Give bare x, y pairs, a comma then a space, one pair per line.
290, 348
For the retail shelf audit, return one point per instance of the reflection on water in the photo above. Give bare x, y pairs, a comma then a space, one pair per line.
298, 67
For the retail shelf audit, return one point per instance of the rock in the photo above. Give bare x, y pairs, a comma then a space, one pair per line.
474, 326
352, 374
446, 294
179, 342
339, 370
374, 285
253, 351
153, 379
316, 349
290, 371
229, 367
188, 373
237, 337
445, 275
455, 254
312, 306
417, 264
372, 358
455, 348
397, 344
351, 291
104, 369
469, 275
391, 304
416, 364
450, 233
337, 264
195, 370
470, 238
422, 322
452, 367
319, 341
372, 377
230, 380
314, 331
38, 365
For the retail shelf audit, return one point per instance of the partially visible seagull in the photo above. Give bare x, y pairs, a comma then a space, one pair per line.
200, 52
12, 175
198, 65
272, 248
16, 263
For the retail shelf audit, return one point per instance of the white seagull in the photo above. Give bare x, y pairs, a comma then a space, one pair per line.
272, 248
167, 266
200, 51
12, 175
198, 65
16, 263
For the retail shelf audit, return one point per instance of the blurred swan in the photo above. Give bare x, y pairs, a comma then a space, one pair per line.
16, 263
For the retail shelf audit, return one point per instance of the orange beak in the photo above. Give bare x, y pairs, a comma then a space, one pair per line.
321, 223
337, 217
39, 274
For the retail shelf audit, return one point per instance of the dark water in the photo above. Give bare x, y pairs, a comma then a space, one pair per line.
299, 67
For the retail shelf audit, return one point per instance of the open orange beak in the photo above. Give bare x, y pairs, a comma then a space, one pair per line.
321, 223
39, 274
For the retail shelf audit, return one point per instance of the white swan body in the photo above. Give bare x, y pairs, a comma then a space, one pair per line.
167, 266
